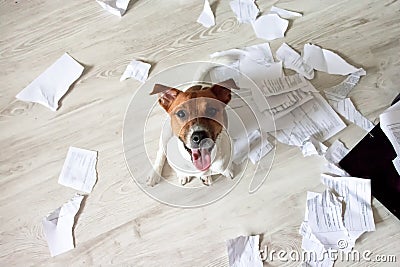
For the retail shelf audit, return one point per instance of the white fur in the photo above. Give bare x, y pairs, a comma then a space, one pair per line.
221, 164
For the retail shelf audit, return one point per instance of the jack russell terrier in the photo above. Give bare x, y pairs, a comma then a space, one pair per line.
198, 119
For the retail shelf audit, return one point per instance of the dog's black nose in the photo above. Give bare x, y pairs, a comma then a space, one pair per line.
197, 137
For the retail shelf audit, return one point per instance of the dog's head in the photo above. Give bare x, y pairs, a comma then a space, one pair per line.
197, 117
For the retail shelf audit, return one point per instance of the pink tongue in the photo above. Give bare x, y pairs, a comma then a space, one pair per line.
201, 158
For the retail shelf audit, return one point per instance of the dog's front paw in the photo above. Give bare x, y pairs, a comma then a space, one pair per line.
207, 180
153, 178
184, 179
228, 173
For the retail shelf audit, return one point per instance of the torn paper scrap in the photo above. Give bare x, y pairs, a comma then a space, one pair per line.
396, 164
356, 193
53, 83
250, 64
260, 53
270, 27
325, 220
57, 226
292, 60
285, 14
347, 109
115, 7
246, 11
206, 17
313, 118
317, 254
281, 105
260, 149
336, 152
241, 146
334, 170
340, 91
311, 146
390, 125
326, 60
270, 87
243, 251
137, 70
79, 169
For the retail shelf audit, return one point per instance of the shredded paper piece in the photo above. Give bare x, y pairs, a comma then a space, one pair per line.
285, 14
53, 83
341, 91
312, 146
79, 170
335, 218
115, 7
137, 70
206, 17
244, 251
292, 60
326, 60
255, 146
246, 11
336, 152
390, 125
396, 164
347, 109
270, 27
313, 118
57, 226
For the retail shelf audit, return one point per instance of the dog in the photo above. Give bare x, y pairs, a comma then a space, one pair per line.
199, 120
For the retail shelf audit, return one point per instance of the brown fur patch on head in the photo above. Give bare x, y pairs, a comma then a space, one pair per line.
202, 106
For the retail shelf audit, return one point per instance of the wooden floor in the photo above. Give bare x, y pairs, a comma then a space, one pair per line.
119, 224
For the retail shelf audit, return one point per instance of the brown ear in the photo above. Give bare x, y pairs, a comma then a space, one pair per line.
222, 93
230, 84
166, 95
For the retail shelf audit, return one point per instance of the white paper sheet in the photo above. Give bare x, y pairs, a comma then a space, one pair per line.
390, 125
311, 146
260, 149
318, 253
260, 53
255, 146
292, 60
270, 27
137, 70
334, 170
326, 222
356, 193
326, 60
347, 109
340, 91
336, 152
255, 62
270, 87
57, 226
244, 251
206, 17
53, 83
314, 118
79, 170
246, 11
285, 14
115, 7
396, 164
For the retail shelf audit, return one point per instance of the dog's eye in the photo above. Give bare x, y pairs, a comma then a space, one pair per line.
210, 112
181, 114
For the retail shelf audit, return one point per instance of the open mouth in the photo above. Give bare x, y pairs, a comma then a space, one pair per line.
201, 157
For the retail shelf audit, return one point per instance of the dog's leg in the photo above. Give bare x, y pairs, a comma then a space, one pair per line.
228, 173
154, 176
183, 179
207, 180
